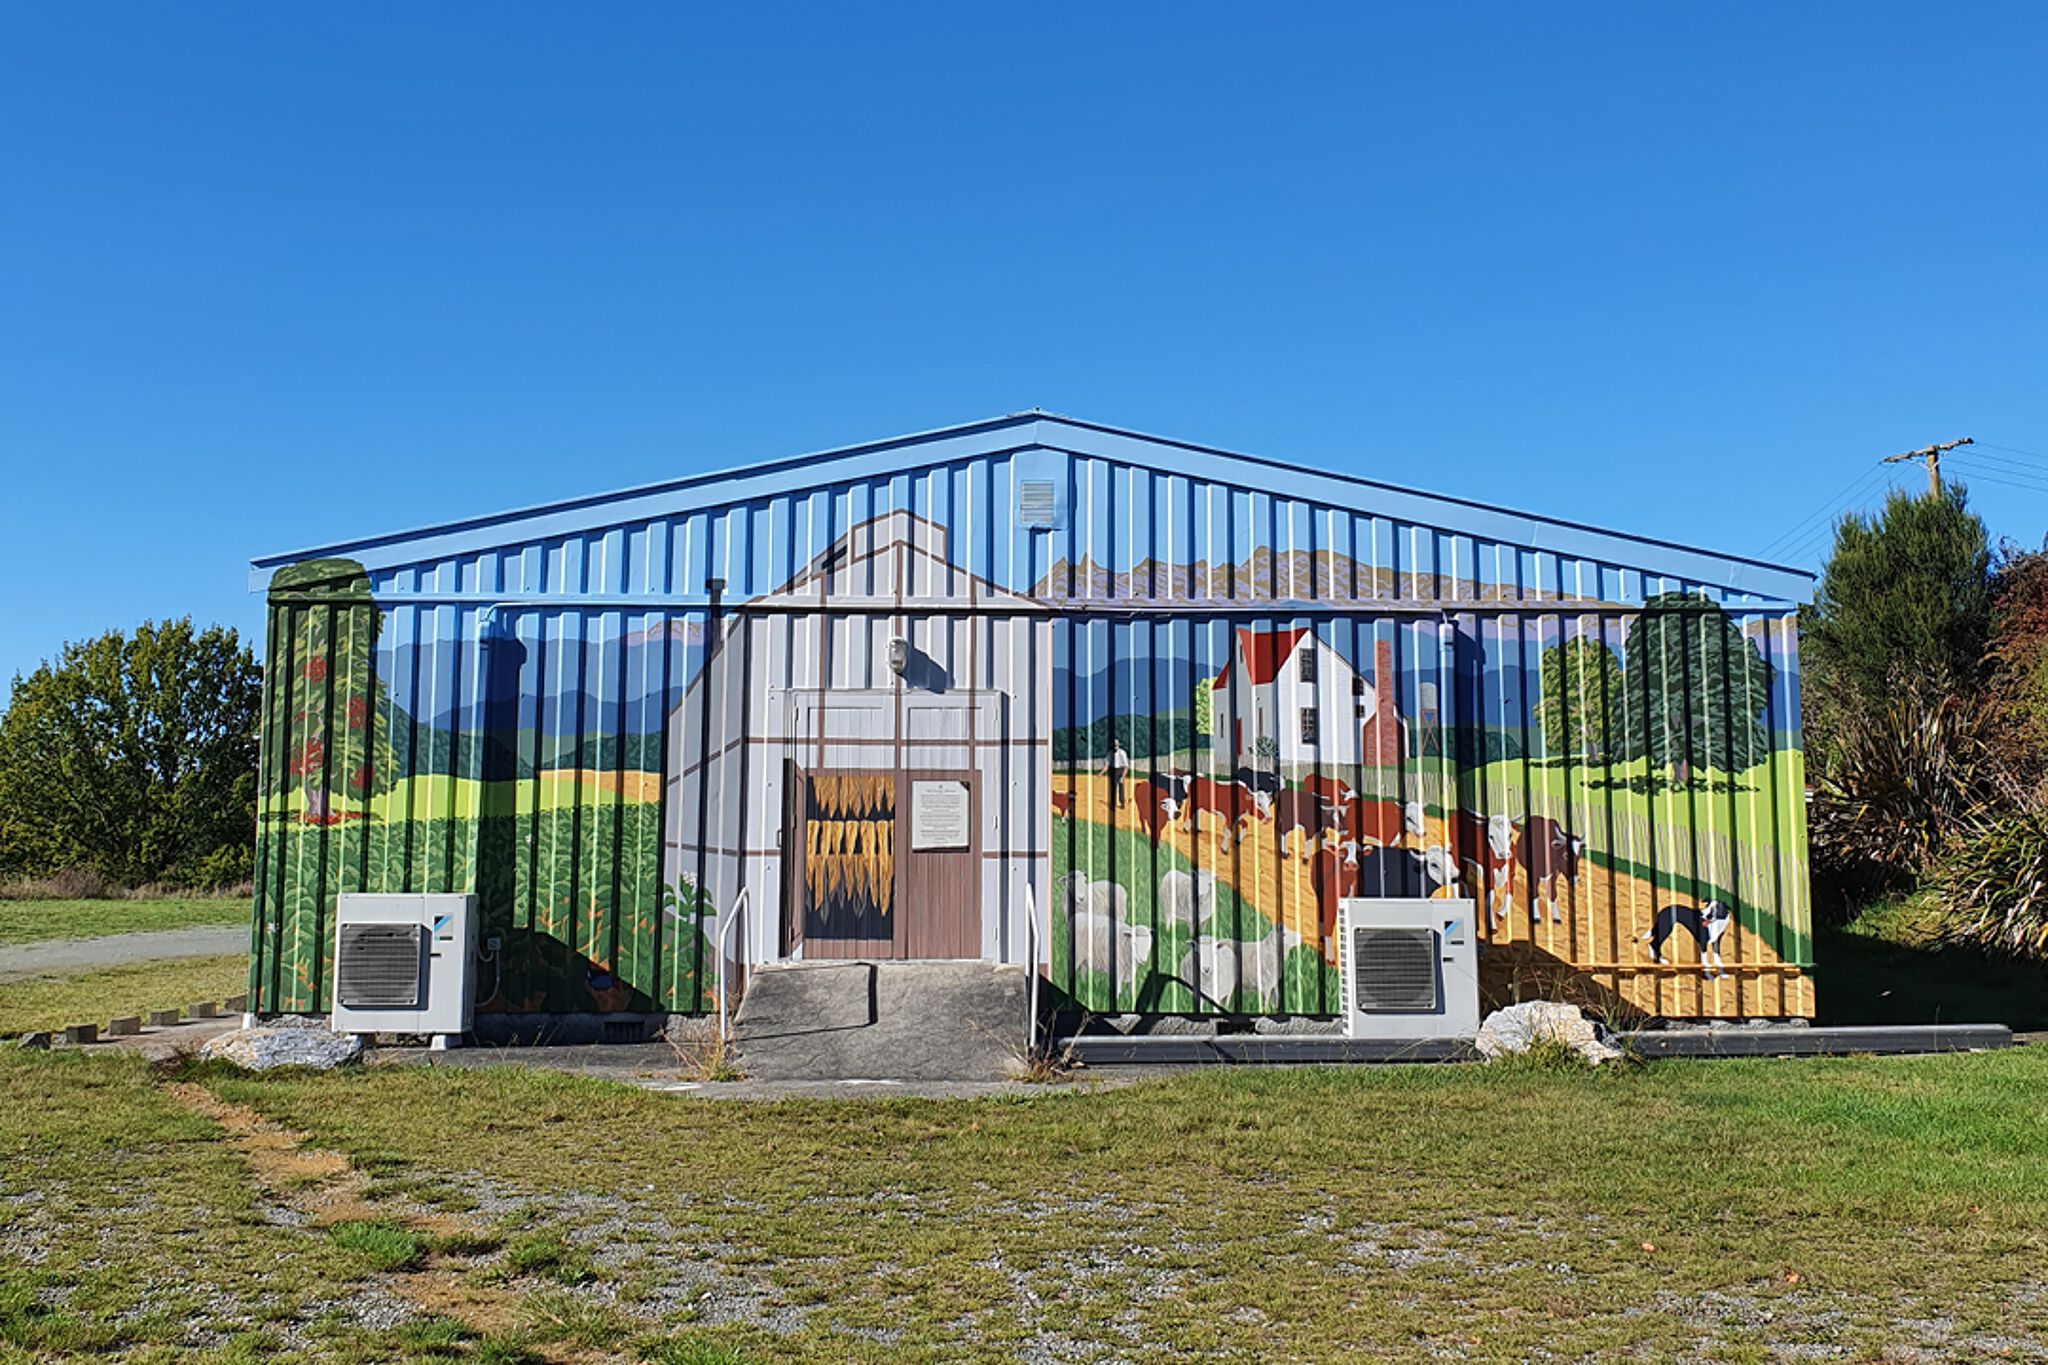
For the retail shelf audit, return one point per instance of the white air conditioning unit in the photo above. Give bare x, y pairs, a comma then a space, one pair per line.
402, 964
1410, 968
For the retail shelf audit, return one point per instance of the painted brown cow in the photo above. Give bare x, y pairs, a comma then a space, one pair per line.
1547, 854
1231, 803
1155, 806
1304, 813
1373, 822
1334, 875
1334, 790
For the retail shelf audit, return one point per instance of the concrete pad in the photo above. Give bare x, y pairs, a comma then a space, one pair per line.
205, 1009
164, 1044
126, 1027
79, 1034
165, 1018
909, 1021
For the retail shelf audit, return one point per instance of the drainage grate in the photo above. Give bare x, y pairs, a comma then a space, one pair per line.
1394, 969
379, 967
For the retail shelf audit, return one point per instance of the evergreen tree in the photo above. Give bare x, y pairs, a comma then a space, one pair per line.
1906, 591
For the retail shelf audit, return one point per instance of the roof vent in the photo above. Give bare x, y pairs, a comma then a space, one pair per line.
1036, 504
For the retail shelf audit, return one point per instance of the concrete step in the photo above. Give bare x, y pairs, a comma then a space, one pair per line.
910, 1021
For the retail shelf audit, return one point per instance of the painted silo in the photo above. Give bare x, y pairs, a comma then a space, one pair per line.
1188, 698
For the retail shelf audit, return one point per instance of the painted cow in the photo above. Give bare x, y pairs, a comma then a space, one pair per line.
1334, 790
1229, 802
1405, 872
1258, 780
1373, 822
1334, 875
1304, 813
1547, 854
1155, 806
1487, 846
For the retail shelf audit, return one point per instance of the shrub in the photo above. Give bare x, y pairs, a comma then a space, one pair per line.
1906, 774
1993, 880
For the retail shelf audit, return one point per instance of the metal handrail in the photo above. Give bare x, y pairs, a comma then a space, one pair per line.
1031, 961
734, 920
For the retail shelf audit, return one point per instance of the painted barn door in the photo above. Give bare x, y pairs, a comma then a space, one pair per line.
884, 827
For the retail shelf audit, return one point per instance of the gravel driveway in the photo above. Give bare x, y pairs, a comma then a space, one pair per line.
63, 955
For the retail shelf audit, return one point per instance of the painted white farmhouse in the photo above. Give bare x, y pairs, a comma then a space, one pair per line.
1293, 688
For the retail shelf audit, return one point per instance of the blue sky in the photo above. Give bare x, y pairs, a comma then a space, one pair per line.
274, 276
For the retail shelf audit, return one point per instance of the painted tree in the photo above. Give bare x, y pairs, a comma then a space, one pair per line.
1582, 696
323, 732
1205, 706
1698, 689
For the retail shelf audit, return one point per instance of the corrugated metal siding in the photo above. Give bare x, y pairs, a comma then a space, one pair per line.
531, 667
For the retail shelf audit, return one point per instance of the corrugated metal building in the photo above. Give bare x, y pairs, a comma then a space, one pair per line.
1190, 697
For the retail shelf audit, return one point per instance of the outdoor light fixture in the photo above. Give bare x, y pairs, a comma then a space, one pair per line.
899, 654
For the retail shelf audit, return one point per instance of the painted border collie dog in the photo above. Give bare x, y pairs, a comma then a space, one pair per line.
1706, 924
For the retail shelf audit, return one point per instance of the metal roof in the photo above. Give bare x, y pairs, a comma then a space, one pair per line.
1041, 430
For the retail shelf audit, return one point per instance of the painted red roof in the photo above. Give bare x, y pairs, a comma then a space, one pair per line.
1263, 651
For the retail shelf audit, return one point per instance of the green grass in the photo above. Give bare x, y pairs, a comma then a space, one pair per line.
1674, 1209
546, 1253
1889, 966
36, 921
380, 1245
51, 1002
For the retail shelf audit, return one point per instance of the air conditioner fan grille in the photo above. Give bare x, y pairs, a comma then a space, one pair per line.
379, 967
1394, 970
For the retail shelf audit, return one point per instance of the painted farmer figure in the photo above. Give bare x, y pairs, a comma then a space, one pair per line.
1115, 765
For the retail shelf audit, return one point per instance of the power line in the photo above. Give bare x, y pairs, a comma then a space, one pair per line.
2004, 462
2014, 470
2015, 450
1818, 538
1824, 512
1982, 477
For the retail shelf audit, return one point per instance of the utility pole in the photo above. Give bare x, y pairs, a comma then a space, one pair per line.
1931, 454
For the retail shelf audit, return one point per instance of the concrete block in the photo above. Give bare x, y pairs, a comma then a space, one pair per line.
125, 1027
165, 1018
882, 1020
235, 1004
82, 1033
34, 1042
205, 1009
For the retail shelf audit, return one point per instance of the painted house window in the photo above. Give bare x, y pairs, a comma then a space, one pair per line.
1308, 664
1308, 725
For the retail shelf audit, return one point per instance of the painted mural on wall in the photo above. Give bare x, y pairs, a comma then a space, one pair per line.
1617, 783
1603, 780
519, 759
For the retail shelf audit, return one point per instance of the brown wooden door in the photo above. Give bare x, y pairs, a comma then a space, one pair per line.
939, 835
885, 864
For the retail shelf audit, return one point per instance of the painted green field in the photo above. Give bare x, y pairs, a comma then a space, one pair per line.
1735, 1211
